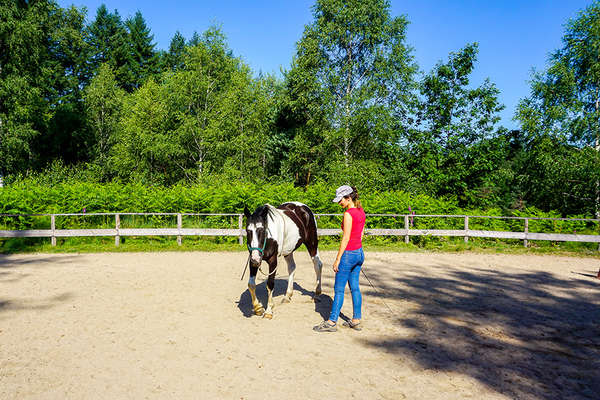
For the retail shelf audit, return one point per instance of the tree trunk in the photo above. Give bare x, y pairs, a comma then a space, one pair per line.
597, 148
200, 162
347, 110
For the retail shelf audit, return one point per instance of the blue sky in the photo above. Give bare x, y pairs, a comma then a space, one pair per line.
514, 36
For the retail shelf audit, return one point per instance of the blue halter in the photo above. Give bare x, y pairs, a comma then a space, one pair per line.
261, 250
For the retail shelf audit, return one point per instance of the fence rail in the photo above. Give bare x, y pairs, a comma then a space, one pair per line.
117, 232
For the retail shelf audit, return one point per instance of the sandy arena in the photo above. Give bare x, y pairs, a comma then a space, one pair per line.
179, 326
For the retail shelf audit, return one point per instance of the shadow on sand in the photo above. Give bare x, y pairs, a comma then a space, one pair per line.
33, 304
10, 273
525, 335
322, 305
10, 262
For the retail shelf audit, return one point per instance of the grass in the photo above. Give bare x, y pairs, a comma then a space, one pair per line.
107, 245
392, 244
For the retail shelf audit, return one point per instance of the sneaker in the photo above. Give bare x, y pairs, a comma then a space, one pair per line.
356, 326
325, 326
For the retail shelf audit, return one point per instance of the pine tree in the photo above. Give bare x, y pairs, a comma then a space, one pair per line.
142, 60
175, 56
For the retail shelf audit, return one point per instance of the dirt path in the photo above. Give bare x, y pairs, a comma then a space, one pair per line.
179, 325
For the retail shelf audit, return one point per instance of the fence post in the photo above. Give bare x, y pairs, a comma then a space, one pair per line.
117, 227
240, 222
53, 227
179, 228
466, 228
406, 237
526, 231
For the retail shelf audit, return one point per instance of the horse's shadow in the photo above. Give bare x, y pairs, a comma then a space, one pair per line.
322, 304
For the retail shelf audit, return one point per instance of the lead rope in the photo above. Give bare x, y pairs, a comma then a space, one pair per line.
270, 273
378, 291
246, 267
259, 268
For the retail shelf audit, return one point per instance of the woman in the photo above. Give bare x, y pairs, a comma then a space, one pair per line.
349, 259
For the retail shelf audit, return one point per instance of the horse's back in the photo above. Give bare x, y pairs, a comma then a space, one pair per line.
304, 219
300, 213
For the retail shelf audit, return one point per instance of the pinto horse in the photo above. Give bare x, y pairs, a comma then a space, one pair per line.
273, 232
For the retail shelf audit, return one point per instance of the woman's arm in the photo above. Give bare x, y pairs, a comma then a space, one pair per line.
345, 239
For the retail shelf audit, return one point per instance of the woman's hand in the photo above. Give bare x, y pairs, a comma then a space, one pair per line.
335, 265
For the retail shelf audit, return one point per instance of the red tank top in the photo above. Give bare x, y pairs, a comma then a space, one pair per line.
358, 223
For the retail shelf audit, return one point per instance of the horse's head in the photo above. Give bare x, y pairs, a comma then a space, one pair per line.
256, 233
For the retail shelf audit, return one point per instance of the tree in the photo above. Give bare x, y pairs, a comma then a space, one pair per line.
107, 40
553, 175
103, 105
195, 40
354, 72
564, 103
208, 117
40, 79
453, 121
174, 58
142, 60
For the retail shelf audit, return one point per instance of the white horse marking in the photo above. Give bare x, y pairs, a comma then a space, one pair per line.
318, 270
289, 259
255, 254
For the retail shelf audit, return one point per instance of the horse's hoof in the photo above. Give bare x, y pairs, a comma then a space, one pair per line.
259, 312
268, 316
316, 299
286, 299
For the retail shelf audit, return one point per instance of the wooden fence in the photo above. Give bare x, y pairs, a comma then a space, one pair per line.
407, 230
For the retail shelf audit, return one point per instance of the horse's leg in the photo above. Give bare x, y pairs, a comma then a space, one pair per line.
270, 286
289, 259
312, 245
318, 270
258, 308
313, 250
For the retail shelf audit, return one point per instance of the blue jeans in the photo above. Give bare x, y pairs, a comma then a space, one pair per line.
348, 271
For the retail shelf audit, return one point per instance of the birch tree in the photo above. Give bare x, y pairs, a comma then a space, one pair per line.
564, 103
353, 65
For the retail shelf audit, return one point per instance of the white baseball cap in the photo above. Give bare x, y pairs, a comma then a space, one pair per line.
341, 192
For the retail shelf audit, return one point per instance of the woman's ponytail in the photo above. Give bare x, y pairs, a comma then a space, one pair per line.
355, 198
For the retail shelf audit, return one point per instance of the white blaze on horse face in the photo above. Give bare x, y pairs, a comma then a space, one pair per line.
255, 254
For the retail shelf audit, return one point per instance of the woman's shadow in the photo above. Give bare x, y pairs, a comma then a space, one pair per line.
322, 303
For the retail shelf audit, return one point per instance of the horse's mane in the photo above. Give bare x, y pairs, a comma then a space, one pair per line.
265, 210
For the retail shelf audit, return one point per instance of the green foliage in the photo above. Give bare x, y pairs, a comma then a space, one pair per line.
142, 60
175, 56
36, 196
103, 105
561, 121
349, 87
59, 191
452, 147
96, 102
207, 117
40, 75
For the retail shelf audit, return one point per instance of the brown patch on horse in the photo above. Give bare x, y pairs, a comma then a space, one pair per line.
304, 219
291, 210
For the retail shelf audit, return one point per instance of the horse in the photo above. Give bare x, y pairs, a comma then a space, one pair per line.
273, 232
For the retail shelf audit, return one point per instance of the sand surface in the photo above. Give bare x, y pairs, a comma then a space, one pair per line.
180, 326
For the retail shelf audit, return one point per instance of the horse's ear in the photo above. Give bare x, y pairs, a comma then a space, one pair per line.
265, 212
246, 212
